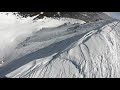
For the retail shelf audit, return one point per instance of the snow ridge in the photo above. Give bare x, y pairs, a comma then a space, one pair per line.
59, 48
93, 54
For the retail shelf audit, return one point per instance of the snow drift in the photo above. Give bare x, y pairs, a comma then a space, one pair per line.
60, 48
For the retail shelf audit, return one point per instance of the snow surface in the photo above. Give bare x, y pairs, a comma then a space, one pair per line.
59, 48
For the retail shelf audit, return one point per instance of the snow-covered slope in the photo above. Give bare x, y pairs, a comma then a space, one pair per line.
60, 48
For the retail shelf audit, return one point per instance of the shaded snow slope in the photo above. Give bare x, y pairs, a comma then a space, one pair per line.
15, 29
69, 49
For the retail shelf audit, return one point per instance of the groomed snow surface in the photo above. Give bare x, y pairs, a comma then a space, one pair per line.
58, 48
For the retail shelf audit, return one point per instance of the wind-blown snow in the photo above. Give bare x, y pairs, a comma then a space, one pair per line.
60, 48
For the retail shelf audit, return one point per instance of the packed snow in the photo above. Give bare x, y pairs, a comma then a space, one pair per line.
58, 48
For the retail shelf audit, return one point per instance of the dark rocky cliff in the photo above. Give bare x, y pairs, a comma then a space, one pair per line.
86, 16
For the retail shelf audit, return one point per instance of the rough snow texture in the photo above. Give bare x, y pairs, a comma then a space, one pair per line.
85, 16
67, 50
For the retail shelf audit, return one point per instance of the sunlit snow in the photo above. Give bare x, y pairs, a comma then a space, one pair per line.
58, 47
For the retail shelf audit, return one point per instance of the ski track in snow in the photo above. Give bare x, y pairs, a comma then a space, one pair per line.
60, 48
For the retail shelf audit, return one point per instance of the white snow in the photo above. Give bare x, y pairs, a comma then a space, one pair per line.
15, 29
59, 48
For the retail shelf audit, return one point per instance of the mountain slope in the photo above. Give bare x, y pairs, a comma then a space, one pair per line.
59, 48
90, 52
85, 16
